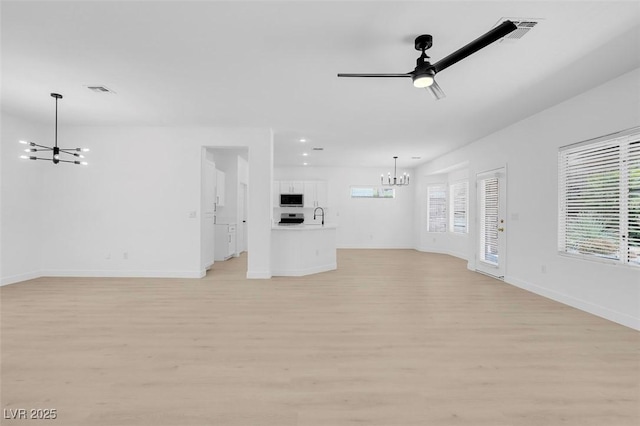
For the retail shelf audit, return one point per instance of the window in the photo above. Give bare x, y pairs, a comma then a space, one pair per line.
437, 208
458, 208
372, 192
599, 198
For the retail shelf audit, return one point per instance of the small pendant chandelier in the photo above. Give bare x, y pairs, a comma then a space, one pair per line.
395, 181
57, 152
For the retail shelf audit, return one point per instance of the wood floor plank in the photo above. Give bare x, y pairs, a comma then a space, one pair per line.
393, 337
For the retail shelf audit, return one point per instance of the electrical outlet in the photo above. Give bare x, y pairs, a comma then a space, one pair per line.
108, 256
543, 269
125, 255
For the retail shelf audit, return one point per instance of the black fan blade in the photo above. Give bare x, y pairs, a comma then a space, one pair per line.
436, 91
483, 41
374, 75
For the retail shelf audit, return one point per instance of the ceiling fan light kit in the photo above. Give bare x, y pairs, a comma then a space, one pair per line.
58, 154
422, 81
423, 75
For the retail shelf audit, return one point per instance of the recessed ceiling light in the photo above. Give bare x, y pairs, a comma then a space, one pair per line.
305, 164
303, 140
305, 154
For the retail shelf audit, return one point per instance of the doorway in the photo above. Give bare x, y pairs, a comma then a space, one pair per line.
224, 201
491, 241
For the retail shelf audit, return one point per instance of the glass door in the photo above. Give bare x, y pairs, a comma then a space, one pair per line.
491, 222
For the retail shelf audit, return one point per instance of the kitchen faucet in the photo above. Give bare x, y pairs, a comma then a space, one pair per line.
314, 214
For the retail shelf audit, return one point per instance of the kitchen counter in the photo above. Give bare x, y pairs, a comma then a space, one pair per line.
304, 249
303, 227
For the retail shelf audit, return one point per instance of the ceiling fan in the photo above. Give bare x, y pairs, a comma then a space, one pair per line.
424, 73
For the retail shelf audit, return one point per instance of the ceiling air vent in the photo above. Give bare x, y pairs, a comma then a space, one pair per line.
318, 149
100, 89
524, 26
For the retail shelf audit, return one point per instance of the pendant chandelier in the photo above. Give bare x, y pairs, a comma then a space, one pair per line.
58, 154
395, 181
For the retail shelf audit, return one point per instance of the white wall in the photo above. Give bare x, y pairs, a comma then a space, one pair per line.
529, 149
22, 190
362, 223
135, 198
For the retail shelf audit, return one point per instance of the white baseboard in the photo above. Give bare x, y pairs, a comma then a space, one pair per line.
19, 278
369, 247
123, 274
592, 308
255, 275
303, 272
459, 255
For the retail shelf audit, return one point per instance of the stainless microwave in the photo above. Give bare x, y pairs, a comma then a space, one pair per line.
291, 200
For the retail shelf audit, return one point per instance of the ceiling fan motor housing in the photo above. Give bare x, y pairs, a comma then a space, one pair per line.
423, 42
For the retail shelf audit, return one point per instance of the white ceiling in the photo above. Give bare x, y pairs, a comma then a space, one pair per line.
274, 64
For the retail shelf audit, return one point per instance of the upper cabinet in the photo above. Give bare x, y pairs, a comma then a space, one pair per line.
220, 185
291, 187
314, 191
315, 194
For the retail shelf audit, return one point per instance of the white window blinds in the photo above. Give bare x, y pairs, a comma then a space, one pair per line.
459, 205
599, 199
437, 208
489, 210
633, 201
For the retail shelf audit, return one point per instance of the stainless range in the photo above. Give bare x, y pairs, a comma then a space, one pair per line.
291, 218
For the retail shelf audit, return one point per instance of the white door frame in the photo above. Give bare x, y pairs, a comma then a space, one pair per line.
493, 264
207, 211
242, 219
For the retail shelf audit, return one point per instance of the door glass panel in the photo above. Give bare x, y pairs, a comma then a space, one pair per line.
489, 203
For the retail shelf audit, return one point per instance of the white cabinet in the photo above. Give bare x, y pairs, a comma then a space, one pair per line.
315, 194
220, 182
291, 187
321, 194
225, 241
314, 191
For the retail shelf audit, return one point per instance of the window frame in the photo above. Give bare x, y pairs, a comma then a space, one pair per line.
452, 207
377, 192
624, 155
444, 189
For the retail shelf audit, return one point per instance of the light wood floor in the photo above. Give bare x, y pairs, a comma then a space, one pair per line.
393, 337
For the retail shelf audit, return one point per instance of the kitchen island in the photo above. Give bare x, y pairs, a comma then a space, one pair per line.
298, 250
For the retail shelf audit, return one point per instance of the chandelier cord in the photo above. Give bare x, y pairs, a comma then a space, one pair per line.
56, 135
395, 169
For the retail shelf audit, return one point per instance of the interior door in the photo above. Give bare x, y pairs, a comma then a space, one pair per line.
491, 248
